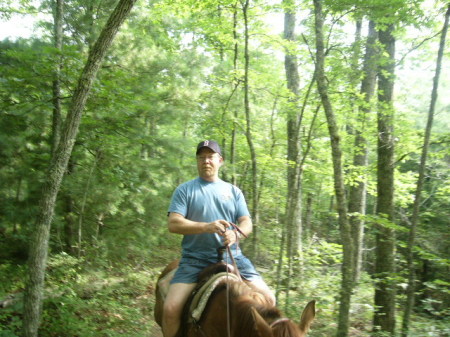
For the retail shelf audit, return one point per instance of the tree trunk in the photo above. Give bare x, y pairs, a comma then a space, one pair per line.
410, 292
235, 112
384, 318
293, 220
17, 198
39, 241
279, 285
58, 35
345, 230
308, 216
248, 132
69, 214
84, 201
357, 193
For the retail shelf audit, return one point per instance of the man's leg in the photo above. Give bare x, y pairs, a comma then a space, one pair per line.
261, 286
254, 279
173, 307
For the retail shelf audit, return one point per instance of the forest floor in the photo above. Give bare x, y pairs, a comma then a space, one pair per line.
156, 332
89, 299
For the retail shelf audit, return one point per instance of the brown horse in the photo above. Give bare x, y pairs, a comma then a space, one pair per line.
236, 310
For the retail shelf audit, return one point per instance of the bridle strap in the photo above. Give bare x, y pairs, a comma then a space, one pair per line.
229, 254
238, 230
279, 320
233, 262
228, 293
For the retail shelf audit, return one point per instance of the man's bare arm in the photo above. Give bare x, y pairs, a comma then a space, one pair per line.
178, 224
245, 224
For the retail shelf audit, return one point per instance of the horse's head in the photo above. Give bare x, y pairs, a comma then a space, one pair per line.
284, 327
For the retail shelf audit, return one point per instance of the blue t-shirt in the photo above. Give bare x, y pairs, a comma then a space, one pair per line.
204, 201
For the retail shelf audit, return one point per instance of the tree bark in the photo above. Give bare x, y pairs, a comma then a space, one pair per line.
58, 15
248, 132
308, 216
39, 241
410, 292
235, 84
58, 35
357, 193
69, 214
344, 225
293, 221
384, 318
84, 201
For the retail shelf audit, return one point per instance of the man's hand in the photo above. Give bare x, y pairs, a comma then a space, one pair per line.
218, 227
229, 237
224, 229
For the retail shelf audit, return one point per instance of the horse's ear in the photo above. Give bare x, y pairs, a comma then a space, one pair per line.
307, 316
261, 327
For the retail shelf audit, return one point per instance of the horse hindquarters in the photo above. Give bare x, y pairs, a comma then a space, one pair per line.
159, 300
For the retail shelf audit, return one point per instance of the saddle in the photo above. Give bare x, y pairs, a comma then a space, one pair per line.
207, 284
208, 280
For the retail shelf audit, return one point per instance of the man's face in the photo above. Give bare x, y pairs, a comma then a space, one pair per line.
208, 164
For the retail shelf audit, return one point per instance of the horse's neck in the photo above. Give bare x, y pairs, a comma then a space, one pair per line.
246, 292
262, 306
252, 318
247, 298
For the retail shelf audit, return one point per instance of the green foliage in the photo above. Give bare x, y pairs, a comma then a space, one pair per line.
173, 77
12, 277
110, 310
89, 300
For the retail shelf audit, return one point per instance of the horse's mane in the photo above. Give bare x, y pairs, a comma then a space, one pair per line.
245, 299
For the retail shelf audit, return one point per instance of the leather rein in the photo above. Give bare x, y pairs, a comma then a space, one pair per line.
229, 254
238, 230
233, 263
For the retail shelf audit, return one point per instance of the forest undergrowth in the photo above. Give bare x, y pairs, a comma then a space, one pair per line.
83, 298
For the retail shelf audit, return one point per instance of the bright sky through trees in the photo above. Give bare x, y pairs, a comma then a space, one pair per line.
16, 27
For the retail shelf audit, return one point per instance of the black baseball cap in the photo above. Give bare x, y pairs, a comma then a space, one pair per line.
211, 144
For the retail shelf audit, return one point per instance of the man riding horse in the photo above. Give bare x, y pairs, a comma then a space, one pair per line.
204, 210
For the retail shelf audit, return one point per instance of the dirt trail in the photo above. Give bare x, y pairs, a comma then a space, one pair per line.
156, 331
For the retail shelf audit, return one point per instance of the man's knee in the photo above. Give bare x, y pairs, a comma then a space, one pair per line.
263, 288
175, 301
271, 297
171, 311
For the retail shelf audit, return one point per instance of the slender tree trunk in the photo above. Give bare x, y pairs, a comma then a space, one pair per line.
84, 201
410, 292
58, 14
357, 193
308, 216
58, 35
39, 241
293, 219
69, 224
69, 214
17, 198
280, 264
355, 72
235, 112
384, 318
345, 230
248, 131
